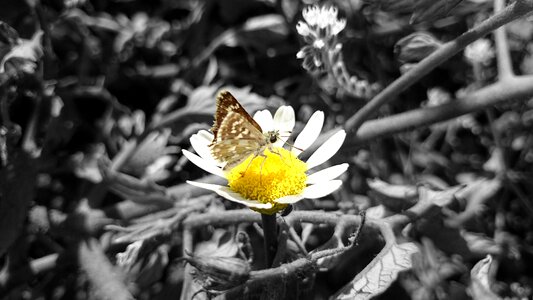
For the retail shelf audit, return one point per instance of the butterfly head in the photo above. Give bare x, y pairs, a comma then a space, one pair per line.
272, 136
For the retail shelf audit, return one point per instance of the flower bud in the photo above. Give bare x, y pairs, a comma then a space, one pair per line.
415, 47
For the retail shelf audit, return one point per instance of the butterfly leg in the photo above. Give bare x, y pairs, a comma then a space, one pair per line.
272, 150
248, 166
261, 169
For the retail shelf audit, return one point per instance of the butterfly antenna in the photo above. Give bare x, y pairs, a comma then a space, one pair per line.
286, 142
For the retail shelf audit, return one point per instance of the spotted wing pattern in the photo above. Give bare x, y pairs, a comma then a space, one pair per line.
227, 103
236, 134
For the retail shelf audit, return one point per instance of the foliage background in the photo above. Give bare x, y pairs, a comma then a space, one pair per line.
78, 185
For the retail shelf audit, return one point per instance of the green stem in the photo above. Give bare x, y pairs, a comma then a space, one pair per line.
270, 232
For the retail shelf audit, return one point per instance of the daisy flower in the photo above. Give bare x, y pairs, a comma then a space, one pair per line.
269, 183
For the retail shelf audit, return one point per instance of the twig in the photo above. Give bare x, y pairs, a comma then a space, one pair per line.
515, 89
513, 11
259, 279
294, 236
505, 66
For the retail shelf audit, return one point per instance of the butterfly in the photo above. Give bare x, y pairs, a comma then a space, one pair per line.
236, 134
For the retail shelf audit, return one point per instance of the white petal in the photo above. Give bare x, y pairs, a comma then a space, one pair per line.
206, 165
284, 119
284, 122
264, 119
227, 193
200, 144
321, 189
206, 135
303, 29
327, 174
327, 150
309, 134
289, 199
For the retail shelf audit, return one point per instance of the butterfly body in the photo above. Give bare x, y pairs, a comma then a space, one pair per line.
236, 134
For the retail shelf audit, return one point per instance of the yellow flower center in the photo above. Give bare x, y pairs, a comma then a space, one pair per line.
266, 179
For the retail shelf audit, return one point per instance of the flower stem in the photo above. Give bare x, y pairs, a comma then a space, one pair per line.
270, 230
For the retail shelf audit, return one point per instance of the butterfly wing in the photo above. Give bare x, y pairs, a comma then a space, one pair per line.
226, 103
236, 139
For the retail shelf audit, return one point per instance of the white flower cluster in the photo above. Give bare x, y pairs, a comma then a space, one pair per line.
323, 53
320, 18
319, 31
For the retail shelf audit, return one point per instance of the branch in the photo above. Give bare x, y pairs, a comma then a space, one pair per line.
505, 66
511, 12
513, 89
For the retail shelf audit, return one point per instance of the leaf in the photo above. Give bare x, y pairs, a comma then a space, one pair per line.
393, 196
25, 55
8, 38
380, 273
430, 10
222, 244
439, 198
481, 280
480, 245
475, 195
153, 147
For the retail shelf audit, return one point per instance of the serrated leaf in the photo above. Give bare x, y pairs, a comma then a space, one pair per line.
380, 273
